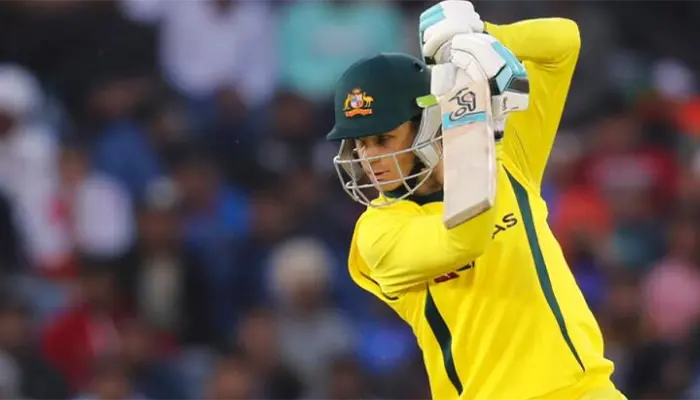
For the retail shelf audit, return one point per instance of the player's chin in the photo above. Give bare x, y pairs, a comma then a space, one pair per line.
389, 186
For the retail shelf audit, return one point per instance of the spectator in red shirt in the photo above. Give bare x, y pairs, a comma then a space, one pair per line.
636, 179
87, 329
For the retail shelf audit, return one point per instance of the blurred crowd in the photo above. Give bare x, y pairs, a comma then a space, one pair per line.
171, 225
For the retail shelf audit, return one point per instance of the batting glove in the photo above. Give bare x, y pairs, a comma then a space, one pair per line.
510, 89
441, 22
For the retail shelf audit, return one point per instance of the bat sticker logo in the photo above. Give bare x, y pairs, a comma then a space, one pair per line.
466, 100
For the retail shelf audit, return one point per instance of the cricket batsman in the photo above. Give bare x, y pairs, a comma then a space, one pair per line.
492, 302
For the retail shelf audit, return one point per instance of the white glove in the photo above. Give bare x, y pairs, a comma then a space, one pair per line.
479, 56
441, 22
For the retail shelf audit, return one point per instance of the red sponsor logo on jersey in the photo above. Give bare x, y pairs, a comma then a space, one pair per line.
446, 277
454, 274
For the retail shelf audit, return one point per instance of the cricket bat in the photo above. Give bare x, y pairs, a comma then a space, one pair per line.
463, 91
469, 152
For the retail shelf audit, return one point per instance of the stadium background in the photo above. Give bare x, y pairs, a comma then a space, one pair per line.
171, 225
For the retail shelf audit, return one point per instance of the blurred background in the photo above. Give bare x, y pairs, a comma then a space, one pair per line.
171, 225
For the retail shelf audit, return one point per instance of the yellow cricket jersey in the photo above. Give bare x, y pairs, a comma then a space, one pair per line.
493, 304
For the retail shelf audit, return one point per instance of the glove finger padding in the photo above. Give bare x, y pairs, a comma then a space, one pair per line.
474, 57
439, 23
462, 70
507, 76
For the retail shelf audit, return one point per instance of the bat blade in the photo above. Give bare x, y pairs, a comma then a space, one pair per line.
469, 153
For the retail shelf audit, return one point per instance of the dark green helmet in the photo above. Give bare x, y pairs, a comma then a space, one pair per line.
374, 96
377, 94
